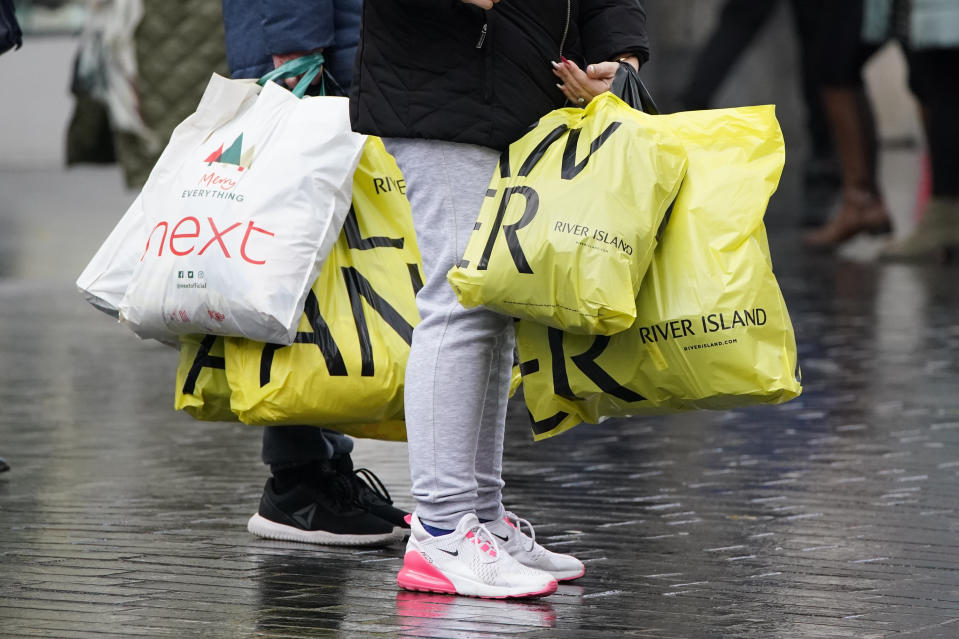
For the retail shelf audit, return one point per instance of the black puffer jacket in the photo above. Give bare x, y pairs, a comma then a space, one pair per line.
446, 70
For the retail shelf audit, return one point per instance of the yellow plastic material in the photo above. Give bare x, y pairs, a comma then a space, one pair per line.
346, 369
712, 330
570, 219
201, 386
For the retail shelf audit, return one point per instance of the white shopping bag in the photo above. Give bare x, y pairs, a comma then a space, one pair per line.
105, 279
236, 218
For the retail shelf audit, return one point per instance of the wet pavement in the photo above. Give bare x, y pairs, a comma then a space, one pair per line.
835, 515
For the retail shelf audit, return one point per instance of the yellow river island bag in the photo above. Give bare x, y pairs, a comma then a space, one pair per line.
711, 330
570, 219
346, 368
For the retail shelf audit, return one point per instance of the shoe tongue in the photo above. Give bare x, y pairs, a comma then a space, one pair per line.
467, 521
500, 527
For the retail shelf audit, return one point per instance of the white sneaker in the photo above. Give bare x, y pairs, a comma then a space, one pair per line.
467, 561
523, 548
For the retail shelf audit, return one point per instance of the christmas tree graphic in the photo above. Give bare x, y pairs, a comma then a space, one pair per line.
233, 154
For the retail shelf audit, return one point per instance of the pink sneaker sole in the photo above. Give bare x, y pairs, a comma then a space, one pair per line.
420, 575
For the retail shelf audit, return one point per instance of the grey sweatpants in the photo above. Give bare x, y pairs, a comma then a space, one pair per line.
457, 378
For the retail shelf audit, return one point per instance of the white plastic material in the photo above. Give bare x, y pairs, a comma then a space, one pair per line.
234, 222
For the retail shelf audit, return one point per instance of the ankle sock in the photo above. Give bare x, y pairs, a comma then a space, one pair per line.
436, 532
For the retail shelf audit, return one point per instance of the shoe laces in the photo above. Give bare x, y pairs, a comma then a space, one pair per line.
520, 522
370, 482
482, 537
339, 490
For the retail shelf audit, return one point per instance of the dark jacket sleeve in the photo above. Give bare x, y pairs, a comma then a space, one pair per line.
296, 25
613, 27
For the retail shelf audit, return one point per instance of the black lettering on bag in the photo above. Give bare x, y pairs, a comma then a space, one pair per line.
586, 363
355, 239
509, 230
528, 368
504, 171
532, 366
570, 168
321, 337
548, 424
359, 287
537, 153
415, 277
202, 360
557, 354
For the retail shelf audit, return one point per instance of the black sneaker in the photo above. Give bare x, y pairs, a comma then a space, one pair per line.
371, 495
319, 512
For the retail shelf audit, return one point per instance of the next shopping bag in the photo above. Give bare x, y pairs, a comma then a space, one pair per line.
571, 218
712, 330
346, 366
238, 214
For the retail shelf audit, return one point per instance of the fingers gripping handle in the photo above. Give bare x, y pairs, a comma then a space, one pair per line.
307, 66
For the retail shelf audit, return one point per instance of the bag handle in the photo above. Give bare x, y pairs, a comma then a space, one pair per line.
628, 86
309, 66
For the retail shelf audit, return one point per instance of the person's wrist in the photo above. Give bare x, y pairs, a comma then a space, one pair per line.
628, 58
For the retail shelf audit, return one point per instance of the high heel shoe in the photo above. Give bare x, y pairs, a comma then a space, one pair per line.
859, 212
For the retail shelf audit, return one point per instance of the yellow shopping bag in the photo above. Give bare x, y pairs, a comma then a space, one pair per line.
570, 220
201, 387
712, 330
346, 368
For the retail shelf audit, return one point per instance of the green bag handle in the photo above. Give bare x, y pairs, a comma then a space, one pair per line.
309, 66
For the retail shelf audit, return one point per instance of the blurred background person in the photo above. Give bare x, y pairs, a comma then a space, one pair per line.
929, 32
840, 53
140, 69
740, 21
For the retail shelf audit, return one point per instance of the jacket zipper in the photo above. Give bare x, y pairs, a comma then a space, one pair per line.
569, 15
482, 38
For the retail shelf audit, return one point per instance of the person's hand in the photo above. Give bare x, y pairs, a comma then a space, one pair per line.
482, 4
581, 87
281, 59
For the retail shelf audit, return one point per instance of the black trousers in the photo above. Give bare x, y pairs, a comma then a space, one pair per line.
288, 446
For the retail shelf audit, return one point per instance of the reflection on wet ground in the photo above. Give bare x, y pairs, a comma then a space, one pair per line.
835, 515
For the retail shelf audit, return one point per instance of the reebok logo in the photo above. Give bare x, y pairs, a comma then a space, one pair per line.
305, 515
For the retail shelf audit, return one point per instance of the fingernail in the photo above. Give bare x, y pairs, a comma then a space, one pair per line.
563, 58
555, 64
589, 69
559, 86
